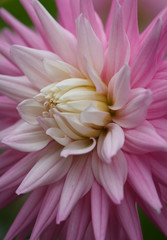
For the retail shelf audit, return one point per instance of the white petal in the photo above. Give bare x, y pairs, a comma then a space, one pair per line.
110, 143
79, 147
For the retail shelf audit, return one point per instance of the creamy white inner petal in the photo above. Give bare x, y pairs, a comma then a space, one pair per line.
77, 109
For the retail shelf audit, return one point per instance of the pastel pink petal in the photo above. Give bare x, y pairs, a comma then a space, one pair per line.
12, 37
99, 84
8, 158
160, 126
140, 178
31, 63
46, 122
87, 9
5, 51
78, 182
29, 110
30, 38
8, 108
110, 143
128, 216
159, 166
135, 111
16, 88
100, 206
9, 128
78, 147
158, 107
111, 176
18, 171
48, 210
58, 135
62, 41
144, 139
27, 214
48, 169
88, 43
130, 19
65, 14
142, 73
27, 4
7, 68
79, 219
119, 88
116, 56
27, 138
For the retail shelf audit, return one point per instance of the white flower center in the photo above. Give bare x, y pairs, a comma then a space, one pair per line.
78, 110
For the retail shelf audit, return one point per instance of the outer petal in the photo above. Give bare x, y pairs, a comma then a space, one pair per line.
140, 179
78, 183
118, 51
110, 143
88, 43
144, 139
128, 216
134, 112
62, 41
16, 88
79, 219
27, 214
27, 138
48, 209
111, 176
119, 88
30, 38
100, 205
143, 73
50, 168
31, 63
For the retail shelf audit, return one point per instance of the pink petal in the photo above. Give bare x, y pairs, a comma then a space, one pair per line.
27, 4
48, 169
48, 209
79, 147
110, 143
78, 182
30, 38
144, 139
27, 213
27, 138
119, 88
116, 56
29, 110
79, 219
128, 215
31, 63
8, 108
130, 19
7, 68
135, 111
111, 176
143, 73
100, 205
159, 92
15, 174
62, 41
88, 43
140, 179
160, 127
65, 14
16, 88
87, 9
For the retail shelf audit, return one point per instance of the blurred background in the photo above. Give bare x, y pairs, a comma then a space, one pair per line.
147, 10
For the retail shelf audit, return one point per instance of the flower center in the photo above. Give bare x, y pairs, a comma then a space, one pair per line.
78, 110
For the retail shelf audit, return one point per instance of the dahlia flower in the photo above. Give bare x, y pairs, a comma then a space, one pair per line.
84, 122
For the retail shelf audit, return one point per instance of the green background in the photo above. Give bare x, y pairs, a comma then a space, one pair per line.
8, 214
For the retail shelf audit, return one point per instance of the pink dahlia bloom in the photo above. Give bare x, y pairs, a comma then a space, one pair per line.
84, 122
